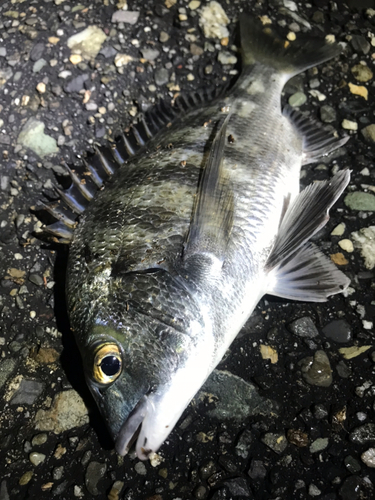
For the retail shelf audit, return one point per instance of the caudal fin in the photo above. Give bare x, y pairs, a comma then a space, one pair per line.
260, 44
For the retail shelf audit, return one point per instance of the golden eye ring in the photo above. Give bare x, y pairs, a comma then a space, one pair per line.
107, 363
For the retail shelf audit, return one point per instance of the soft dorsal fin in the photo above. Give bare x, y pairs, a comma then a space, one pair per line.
299, 271
318, 140
106, 160
212, 218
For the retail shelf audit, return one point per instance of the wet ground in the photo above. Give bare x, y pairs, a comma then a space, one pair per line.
290, 413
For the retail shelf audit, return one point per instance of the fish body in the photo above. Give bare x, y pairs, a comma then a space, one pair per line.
170, 259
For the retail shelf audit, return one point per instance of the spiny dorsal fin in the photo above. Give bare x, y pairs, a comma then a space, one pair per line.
106, 160
318, 140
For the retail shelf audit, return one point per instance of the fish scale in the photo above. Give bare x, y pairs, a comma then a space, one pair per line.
170, 259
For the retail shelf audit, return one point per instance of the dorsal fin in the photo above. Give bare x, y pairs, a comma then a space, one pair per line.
106, 160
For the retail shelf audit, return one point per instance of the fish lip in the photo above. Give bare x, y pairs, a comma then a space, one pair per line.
129, 429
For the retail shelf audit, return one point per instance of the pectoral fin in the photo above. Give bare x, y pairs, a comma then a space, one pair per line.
212, 218
300, 271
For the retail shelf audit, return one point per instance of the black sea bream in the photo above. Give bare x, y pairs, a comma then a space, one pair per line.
170, 259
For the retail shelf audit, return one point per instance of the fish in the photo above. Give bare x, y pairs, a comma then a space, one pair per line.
201, 217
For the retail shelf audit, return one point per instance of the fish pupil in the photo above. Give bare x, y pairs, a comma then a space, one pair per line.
110, 365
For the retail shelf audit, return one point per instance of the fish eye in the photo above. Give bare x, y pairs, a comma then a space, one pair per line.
107, 363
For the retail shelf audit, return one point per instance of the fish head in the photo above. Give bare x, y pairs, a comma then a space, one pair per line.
145, 361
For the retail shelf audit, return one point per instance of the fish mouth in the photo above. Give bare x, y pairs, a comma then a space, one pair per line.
129, 430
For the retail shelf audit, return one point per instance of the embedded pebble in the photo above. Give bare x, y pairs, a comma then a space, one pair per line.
27, 392
32, 136
343, 369
88, 42
360, 201
362, 72
36, 458
150, 54
368, 457
38, 65
235, 399
67, 411
369, 132
297, 99
352, 464
364, 239
125, 16
244, 444
26, 478
257, 470
76, 84
319, 444
346, 245
238, 487
39, 439
349, 125
115, 491
298, 437
363, 434
314, 491
277, 442
358, 90
304, 327
7, 366
213, 20
94, 473
354, 351
327, 114
140, 468
339, 229
226, 58
122, 60
338, 330
317, 370
161, 76
360, 44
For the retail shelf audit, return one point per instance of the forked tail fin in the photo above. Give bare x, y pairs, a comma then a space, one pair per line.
261, 45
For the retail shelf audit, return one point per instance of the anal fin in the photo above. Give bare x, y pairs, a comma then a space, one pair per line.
308, 275
299, 271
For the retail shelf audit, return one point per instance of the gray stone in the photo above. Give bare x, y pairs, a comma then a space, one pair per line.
150, 54
317, 370
351, 488
360, 44
304, 327
140, 468
363, 434
28, 392
3, 51
297, 99
38, 65
369, 133
76, 84
4, 495
338, 330
352, 464
327, 114
125, 16
161, 76
276, 441
67, 411
319, 444
7, 366
37, 51
257, 470
36, 458
360, 201
244, 444
32, 136
236, 398
94, 473
108, 51
36, 279
238, 487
